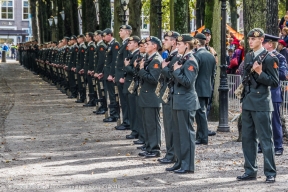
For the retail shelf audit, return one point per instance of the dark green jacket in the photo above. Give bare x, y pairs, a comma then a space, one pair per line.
122, 54
259, 98
100, 57
110, 60
81, 57
90, 59
73, 56
149, 79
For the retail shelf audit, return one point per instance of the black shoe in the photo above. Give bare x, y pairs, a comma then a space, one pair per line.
246, 177
142, 154
278, 152
175, 167
110, 119
140, 147
152, 154
270, 179
91, 104
259, 150
100, 111
138, 142
122, 127
211, 133
165, 161
182, 171
199, 142
79, 101
131, 136
143, 149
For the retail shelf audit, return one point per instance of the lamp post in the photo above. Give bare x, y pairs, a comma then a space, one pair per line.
80, 18
223, 88
50, 20
159, 13
124, 5
96, 10
62, 13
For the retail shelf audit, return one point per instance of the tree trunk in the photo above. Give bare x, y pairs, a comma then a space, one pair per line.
33, 18
135, 13
253, 16
200, 13
180, 16
209, 11
272, 17
286, 5
154, 21
89, 19
233, 14
104, 14
172, 18
117, 19
216, 29
60, 25
188, 16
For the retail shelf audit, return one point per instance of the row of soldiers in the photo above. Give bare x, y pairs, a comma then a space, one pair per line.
134, 75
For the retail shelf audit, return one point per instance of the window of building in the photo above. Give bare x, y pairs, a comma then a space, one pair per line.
7, 9
25, 10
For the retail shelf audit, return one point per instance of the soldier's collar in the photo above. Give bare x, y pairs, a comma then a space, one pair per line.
111, 41
89, 43
256, 53
190, 52
150, 56
135, 51
201, 48
173, 51
98, 43
124, 40
81, 43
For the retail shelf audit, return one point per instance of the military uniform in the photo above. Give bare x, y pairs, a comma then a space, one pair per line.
72, 64
99, 64
79, 66
257, 109
149, 102
166, 76
204, 85
109, 69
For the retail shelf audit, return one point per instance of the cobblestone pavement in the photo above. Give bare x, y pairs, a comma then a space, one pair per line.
50, 143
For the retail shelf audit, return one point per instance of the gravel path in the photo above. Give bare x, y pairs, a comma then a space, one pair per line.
49, 143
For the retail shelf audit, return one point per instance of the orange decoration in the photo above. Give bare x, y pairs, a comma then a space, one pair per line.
191, 68
275, 66
156, 66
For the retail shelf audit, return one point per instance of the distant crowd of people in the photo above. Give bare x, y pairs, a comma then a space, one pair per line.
10, 50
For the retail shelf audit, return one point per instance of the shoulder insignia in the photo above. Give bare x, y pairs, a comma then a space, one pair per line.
101, 49
82, 50
92, 48
275, 66
156, 66
116, 47
272, 54
191, 68
126, 47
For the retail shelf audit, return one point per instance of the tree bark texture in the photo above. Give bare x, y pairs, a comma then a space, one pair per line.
200, 13
154, 21
272, 17
135, 7
180, 16
172, 18
254, 16
33, 18
209, 11
117, 19
104, 14
89, 19
233, 14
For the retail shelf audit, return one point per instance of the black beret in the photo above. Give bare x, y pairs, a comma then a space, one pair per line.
256, 32
134, 38
107, 32
98, 32
81, 35
142, 41
125, 27
200, 36
154, 40
268, 38
73, 37
54, 42
171, 34
206, 31
185, 37
67, 38
89, 33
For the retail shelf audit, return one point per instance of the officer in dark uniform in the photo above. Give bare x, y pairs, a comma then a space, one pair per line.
125, 31
150, 72
261, 73
98, 70
71, 68
128, 87
184, 103
89, 67
109, 73
270, 44
204, 86
80, 68
165, 78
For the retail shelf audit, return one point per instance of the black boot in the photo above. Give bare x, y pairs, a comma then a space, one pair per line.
92, 101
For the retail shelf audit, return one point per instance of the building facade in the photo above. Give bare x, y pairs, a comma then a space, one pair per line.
15, 25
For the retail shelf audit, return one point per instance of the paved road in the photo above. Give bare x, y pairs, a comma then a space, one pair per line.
50, 143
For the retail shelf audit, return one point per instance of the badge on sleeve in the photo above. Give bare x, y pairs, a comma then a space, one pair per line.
156, 66
82, 51
92, 48
76, 49
275, 66
191, 68
116, 47
101, 49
